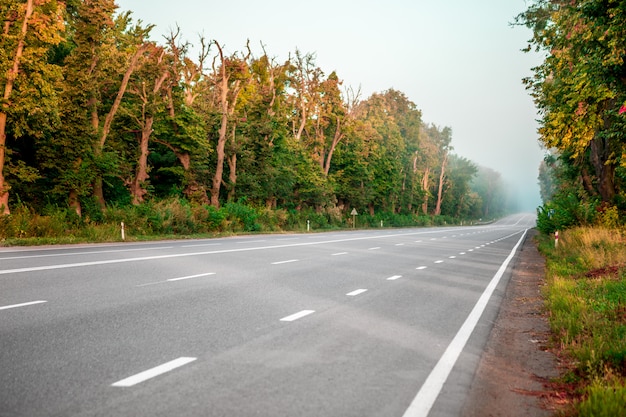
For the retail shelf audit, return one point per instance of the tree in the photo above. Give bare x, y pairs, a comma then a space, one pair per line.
488, 184
427, 159
232, 72
106, 50
136, 48
385, 148
547, 177
442, 141
265, 173
150, 96
458, 200
580, 87
186, 134
30, 28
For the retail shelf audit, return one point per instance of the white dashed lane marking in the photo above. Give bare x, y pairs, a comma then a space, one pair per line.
284, 262
298, 315
153, 372
191, 276
30, 303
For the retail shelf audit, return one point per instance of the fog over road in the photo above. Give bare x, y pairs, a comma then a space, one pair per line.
387, 322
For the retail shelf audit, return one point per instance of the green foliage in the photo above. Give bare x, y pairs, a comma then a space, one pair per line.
610, 218
565, 212
242, 218
124, 121
579, 89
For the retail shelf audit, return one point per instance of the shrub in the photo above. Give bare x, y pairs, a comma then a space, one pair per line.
242, 217
565, 212
215, 218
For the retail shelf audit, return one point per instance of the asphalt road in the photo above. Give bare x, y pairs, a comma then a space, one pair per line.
387, 322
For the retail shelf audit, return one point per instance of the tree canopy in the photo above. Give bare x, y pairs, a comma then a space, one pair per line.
580, 91
95, 113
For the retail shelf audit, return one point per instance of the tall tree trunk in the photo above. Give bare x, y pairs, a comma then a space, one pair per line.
227, 108
92, 103
303, 117
441, 179
605, 170
219, 167
4, 186
336, 139
74, 202
232, 168
193, 190
425, 181
98, 190
8, 88
587, 181
137, 189
232, 176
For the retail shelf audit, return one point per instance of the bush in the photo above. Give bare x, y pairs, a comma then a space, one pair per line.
177, 216
215, 219
242, 217
272, 220
565, 212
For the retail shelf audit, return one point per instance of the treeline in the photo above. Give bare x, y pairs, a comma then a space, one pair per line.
97, 115
580, 91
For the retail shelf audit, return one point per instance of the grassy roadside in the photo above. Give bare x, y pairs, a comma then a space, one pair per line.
176, 218
586, 299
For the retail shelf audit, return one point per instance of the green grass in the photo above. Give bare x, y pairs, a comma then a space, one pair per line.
586, 299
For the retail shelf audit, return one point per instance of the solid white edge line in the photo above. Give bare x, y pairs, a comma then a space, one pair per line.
151, 373
426, 396
30, 303
356, 292
191, 276
298, 315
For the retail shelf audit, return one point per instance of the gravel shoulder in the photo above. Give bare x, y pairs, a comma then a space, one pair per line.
516, 365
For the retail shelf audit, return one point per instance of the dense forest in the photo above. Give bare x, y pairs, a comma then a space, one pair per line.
97, 117
580, 91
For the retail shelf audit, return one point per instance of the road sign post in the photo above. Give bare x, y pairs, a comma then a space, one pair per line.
354, 214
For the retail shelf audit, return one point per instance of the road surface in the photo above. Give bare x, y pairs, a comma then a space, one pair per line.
387, 322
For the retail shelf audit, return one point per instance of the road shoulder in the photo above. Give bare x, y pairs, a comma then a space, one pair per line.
516, 365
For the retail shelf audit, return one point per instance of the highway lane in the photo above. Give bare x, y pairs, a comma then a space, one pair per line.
349, 323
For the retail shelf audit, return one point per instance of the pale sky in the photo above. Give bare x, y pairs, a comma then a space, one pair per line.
459, 61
